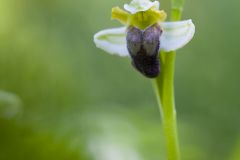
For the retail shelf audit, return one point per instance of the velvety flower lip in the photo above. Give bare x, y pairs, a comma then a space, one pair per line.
144, 13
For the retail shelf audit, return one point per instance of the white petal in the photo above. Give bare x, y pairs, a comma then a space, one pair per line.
140, 5
176, 34
112, 41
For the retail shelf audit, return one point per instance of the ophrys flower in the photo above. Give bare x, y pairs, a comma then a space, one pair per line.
143, 35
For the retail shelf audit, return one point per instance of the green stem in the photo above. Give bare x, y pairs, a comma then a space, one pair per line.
176, 9
164, 87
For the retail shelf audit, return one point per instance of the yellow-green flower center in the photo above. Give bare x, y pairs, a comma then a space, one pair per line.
141, 19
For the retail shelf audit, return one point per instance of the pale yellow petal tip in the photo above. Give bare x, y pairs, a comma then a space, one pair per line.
160, 15
120, 15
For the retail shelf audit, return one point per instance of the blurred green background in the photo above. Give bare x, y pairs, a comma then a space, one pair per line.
62, 98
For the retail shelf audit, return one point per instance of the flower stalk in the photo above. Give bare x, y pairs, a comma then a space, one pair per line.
164, 88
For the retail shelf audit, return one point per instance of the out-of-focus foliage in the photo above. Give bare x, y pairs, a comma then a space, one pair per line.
62, 98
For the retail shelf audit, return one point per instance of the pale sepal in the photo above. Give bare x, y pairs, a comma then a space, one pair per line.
176, 34
112, 41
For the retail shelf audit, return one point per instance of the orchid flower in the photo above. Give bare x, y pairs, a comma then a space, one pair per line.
143, 35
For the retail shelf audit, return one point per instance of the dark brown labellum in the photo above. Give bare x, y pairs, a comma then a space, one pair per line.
143, 47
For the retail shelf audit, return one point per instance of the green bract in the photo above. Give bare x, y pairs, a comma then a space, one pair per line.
142, 14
